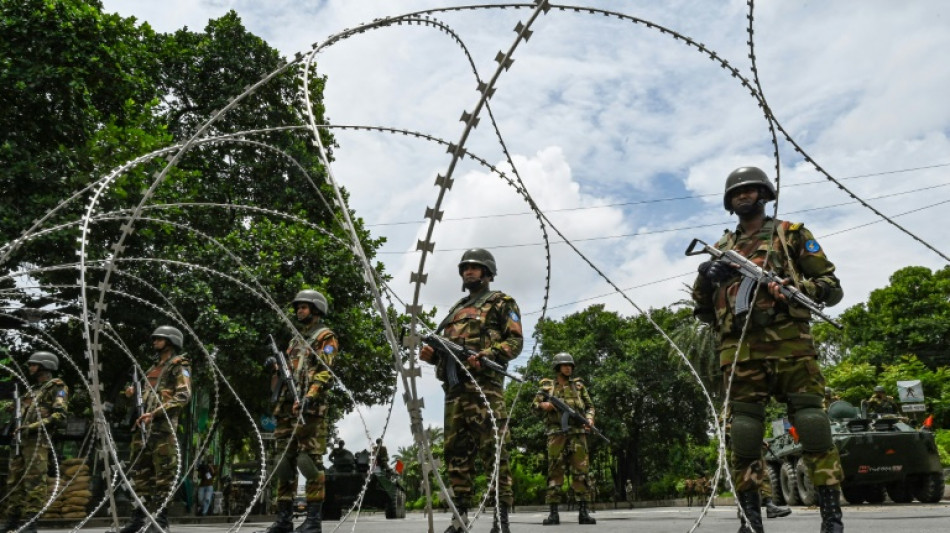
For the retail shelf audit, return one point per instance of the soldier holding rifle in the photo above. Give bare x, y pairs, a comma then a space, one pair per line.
764, 325
488, 324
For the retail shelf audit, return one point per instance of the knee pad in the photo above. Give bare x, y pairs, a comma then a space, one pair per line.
748, 428
308, 467
811, 421
285, 469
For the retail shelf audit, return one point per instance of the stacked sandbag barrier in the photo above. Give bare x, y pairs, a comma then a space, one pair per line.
76, 494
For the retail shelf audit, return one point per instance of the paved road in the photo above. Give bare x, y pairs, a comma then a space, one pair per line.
889, 518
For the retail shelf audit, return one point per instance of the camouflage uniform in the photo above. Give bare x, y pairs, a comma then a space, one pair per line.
167, 394
311, 361
566, 448
882, 405
487, 321
26, 481
778, 356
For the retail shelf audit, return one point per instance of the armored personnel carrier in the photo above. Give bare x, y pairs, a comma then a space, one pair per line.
880, 456
345, 480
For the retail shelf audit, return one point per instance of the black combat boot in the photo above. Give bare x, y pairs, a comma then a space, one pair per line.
775, 511
161, 521
751, 507
12, 522
136, 521
830, 509
314, 521
285, 518
553, 518
583, 517
500, 524
455, 526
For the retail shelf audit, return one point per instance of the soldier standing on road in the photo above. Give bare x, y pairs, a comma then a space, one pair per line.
303, 444
164, 397
567, 449
382, 456
42, 408
489, 323
880, 403
777, 356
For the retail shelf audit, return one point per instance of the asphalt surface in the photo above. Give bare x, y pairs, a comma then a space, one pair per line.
887, 518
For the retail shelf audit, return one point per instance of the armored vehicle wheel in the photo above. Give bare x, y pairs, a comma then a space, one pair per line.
855, 495
928, 488
875, 493
806, 489
775, 482
900, 492
789, 484
397, 507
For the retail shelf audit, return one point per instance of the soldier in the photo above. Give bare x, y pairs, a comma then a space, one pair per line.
830, 397
489, 323
382, 456
304, 443
164, 396
42, 408
566, 448
777, 356
880, 403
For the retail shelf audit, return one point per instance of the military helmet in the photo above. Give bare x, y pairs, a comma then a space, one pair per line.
47, 360
479, 256
170, 333
743, 176
879, 389
314, 298
562, 358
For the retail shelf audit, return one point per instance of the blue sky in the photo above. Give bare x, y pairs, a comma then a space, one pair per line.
605, 119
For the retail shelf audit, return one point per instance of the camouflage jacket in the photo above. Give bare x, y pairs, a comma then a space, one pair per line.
882, 406
787, 249
168, 390
487, 321
574, 394
46, 406
311, 361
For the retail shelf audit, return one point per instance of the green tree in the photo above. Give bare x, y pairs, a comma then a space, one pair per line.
644, 396
91, 90
911, 316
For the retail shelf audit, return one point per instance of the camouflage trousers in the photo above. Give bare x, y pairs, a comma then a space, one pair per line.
26, 482
469, 435
567, 450
754, 382
310, 440
155, 468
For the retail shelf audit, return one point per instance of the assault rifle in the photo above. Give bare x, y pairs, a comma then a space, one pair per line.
17, 419
285, 378
753, 275
453, 353
139, 401
568, 414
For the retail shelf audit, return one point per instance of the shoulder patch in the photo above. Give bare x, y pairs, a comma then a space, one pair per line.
812, 246
795, 227
514, 317
328, 349
185, 372
61, 393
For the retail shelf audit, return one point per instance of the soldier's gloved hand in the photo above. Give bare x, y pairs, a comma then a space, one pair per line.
716, 271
